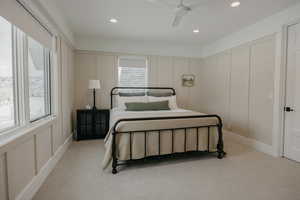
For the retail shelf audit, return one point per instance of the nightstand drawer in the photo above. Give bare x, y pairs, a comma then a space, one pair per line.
85, 131
100, 128
85, 117
92, 124
100, 117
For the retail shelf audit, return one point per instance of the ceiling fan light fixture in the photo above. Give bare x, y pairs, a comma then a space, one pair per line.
113, 20
235, 4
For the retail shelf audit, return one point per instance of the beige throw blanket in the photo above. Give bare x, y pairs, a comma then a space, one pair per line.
138, 138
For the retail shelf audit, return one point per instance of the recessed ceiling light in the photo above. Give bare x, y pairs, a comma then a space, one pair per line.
113, 20
196, 31
235, 4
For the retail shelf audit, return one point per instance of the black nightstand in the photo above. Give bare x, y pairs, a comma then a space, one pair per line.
92, 124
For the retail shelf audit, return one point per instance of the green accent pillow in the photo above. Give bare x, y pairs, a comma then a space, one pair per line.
131, 94
140, 106
159, 94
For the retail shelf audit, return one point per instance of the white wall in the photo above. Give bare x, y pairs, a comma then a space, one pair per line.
27, 160
213, 95
239, 86
163, 71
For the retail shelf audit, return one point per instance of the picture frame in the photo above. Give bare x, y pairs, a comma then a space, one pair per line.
188, 80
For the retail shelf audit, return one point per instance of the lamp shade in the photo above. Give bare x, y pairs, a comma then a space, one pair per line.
94, 84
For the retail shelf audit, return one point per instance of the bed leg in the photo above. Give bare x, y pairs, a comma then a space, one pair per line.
114, 156
220, 146
114, 170
114, 164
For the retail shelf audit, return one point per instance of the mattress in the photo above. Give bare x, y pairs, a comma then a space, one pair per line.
141, 129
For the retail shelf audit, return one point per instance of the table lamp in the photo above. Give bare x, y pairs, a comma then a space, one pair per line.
94, 85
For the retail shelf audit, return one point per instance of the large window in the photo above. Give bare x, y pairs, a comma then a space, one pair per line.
24, 78
132, 71
38, 78
7, 99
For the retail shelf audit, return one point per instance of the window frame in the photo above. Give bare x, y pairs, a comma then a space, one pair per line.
47, 81
20, 76
15, 80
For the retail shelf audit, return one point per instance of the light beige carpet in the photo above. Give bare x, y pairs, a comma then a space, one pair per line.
243, 175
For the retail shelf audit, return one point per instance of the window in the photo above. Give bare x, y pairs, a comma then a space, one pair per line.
132, 71
38, 80
7, 97
24, 78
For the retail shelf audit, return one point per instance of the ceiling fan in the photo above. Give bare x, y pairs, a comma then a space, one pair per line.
181, 10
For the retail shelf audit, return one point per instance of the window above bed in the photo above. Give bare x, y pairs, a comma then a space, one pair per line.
132, 71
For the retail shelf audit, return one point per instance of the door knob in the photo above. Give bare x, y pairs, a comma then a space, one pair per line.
288, 109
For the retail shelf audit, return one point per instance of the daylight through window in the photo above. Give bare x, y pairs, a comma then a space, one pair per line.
24, 78
132, 71
38, 70
7, 105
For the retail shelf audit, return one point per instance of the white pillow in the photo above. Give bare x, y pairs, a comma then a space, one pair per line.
122, 100
171, 99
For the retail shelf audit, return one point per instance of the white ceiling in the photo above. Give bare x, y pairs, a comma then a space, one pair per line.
143, 20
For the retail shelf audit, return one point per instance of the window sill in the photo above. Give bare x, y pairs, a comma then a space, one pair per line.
12, 136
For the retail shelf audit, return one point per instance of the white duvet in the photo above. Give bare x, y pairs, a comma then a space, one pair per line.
138, 138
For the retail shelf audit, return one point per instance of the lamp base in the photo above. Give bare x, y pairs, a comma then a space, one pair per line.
94, 95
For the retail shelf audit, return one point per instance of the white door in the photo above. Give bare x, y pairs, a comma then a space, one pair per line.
292, 109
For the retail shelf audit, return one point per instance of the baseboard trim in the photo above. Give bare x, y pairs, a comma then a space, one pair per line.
257, 145
31, 189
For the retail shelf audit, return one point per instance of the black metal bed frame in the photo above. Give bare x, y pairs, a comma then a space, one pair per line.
115, 162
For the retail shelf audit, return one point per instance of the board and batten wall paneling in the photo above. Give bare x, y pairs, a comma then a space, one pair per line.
214, 85
20, 167
26, 162
94, 66
222, 92
3, 178
238, 84
107, 72
67, 88
43, 147
153, 71
163, 71
180, 67
57, 96
262, 90
204, 82
239, 90
195, 94
85, 69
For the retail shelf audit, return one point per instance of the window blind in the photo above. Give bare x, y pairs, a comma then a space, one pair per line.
133, 61
15, 13
132, 71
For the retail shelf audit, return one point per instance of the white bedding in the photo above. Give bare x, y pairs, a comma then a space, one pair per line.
138, 146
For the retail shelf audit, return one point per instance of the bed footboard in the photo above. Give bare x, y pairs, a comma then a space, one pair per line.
220, 145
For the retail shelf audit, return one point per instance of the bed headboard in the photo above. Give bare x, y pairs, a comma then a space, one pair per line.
117, 90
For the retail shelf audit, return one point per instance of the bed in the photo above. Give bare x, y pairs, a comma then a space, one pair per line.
148, 135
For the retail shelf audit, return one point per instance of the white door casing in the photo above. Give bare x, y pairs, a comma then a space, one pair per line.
292, 114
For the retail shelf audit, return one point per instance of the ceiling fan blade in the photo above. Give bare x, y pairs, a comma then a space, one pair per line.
177, 20
180, 13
